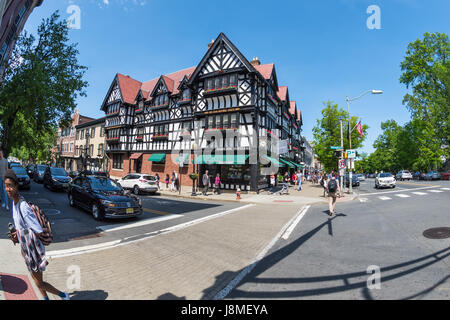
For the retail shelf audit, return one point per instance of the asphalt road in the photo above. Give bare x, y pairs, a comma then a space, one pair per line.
73, 227
339, 257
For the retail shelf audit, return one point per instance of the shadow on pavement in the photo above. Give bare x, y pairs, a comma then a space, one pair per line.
89, 295
272, 259
13, 285
170, 296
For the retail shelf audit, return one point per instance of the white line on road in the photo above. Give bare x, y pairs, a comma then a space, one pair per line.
401, 195
121, 242
363, 200
402, 190
294, 224
145, 222
420, 193
384, 198
225, 291
445, 189
436, 191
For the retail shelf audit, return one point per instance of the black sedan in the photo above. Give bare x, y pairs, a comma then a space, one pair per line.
22, 176
103, 197
38, 175
355, 180
56, 178
30, 170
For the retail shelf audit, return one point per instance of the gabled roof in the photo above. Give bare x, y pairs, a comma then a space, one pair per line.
293, 109
265, 70
282, 92
175, 77
129, 88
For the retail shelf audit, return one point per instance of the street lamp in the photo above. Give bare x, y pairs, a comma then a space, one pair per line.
85, 156
349, 130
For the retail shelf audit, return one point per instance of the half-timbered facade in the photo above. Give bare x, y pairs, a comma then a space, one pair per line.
223, 109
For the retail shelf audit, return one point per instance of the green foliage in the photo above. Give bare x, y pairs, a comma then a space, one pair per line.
41, 84
327, 133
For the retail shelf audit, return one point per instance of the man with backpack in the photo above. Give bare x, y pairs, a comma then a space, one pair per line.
333, 189
32, 231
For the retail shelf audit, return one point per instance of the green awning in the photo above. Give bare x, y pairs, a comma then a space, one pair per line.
221, 159
185, 158
278, 163
157, 157
287, 162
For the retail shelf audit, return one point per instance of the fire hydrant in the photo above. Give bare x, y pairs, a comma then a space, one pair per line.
238, 194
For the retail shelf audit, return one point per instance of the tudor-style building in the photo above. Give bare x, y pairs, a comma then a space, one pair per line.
224, 109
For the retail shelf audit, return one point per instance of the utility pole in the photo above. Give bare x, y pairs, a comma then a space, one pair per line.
342, 158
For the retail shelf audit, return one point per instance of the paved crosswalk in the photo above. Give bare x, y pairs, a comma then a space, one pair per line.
404, 195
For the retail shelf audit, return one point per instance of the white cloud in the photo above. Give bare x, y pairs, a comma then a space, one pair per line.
106, 2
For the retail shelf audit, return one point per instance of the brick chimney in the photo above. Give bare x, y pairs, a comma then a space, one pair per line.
211, 43
255, 62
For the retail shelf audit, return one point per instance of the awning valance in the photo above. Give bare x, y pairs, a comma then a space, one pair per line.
136, 156
157, 157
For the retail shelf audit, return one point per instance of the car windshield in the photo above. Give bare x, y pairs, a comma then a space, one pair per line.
385, 175
151, 178
405, 171
58, 172
19, 170
103, 184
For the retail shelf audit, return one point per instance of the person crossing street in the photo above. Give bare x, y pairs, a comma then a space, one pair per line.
333, 191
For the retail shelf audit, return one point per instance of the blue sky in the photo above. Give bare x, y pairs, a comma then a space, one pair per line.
322, 50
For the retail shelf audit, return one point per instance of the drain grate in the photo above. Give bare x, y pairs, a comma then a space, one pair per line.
437, 233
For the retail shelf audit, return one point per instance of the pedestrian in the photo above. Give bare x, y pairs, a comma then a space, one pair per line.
217, 184
294, 178
3, 194
272, 180
157, 180
280, 179
333, 191
285, 184
323, 183
167, 181
299, 179
172, 182
206, 183
27, 231
175, 174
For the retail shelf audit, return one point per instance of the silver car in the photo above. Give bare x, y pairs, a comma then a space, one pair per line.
403, 175
361, 177
139, 182
432, 175
384, 180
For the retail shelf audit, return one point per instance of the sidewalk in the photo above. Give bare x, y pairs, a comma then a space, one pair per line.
308, 195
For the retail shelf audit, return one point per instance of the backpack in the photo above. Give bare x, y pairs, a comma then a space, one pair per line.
46, 236
332, 185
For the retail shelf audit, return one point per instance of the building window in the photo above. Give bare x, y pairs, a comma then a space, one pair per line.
92, 133
186, 94
233, 80
234, 120
225, 121
210, 122
100, 149
82, 135
91, 150
118, 161
102, 131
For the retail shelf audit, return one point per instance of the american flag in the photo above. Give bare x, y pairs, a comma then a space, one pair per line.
359, 128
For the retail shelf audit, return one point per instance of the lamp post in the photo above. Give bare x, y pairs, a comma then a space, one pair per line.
350, 131
85, 156
194, 146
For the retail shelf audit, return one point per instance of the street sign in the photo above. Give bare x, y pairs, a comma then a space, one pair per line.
341, 172
341, 164
351, 153
336, 148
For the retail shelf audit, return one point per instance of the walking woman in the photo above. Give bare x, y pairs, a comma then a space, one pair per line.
27, 234
167, 181
157, 180
323, 183
217, 184
333, 192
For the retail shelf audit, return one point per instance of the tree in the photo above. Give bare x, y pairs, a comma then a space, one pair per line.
426, 69
327, 133
41, 83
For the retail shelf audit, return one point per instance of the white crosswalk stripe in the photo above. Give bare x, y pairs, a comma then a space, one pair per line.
420, 193
402, 195
384, 198
445, 189
436, 191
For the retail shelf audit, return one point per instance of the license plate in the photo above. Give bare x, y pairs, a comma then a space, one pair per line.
130, 210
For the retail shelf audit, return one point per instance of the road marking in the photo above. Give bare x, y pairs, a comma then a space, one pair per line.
233, 283
445, 189
436, 191
402, 190
363, 200
420, 193
145, 222
384, 198
155, 211
294, 224
401, 195
122, 242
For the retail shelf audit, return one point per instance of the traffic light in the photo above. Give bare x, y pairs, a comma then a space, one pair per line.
337, 154
345, 155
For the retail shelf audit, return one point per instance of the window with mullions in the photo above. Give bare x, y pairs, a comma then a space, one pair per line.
118, 161
186, 94
218, 121
218, 83
226, 122
210, 122
209, 84
234, 120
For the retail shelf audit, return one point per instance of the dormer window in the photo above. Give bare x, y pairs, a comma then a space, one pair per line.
186, 94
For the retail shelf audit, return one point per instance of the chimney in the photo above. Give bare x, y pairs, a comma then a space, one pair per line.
255, 62
211, 43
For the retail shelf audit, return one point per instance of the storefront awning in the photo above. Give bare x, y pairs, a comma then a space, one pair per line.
157, 157
136, 156
185, 158
288, 163
278, 163
221, 159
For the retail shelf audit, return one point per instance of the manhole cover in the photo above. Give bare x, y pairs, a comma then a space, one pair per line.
437, 233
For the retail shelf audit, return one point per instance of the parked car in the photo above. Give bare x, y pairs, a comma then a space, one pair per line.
372, 175
13, 164
56, 178
103, 198
100, 174
403, 175
30, 170
355, 181
385, 179
361, 177
432, 175
416, 175
139, 182
445, 175
38, 175
22, 176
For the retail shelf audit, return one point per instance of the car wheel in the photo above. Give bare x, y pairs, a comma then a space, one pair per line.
136, 190
71, 203
393, 187
96, 212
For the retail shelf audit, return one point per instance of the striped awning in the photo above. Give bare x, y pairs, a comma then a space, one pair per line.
157, 157
273, 160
